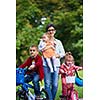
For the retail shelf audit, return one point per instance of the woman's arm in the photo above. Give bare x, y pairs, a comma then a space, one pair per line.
41, 45
59, 49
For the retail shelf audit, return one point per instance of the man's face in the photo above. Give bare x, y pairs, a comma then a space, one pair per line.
33, 52
51, 31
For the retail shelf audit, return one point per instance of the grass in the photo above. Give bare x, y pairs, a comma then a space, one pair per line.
79, 89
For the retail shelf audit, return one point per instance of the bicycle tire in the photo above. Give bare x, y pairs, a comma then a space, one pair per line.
62, 97
44, 94
21, 95
75, 95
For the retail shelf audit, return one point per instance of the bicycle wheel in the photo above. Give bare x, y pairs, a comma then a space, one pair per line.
44, 94
31, 96
62, 97
21, 95
75, 95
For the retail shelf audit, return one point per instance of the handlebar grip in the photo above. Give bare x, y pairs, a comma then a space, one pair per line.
26, 69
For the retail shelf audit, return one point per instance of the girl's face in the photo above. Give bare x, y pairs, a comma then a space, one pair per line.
69, 62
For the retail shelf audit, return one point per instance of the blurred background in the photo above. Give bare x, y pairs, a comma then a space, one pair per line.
32, 16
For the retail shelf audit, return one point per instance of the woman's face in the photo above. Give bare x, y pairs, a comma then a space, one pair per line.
51, 31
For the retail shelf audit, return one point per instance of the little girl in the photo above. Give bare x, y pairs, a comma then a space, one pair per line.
67, 71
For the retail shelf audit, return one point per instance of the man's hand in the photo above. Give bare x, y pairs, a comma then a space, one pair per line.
31, 67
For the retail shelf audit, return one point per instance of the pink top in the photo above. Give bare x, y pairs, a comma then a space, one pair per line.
69, 70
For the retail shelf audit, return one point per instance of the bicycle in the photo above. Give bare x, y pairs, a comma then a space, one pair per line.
23, 92
73, 93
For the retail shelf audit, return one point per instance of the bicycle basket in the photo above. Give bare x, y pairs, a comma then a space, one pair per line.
78, 81
19, 76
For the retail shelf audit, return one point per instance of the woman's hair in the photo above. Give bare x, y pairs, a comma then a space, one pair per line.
50, 25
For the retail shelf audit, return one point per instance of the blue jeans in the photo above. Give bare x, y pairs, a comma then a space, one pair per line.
51, 82
34, 77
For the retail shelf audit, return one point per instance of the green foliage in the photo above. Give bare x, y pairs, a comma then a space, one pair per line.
67, 15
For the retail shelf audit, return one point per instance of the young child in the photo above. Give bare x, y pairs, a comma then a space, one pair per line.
35, 65
67, 71
48, 51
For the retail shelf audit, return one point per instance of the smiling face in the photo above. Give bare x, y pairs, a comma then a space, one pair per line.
33, 51
69, 60
51, 31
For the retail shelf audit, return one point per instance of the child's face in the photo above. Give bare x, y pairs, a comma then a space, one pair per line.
33, 52
45, 38
69, 61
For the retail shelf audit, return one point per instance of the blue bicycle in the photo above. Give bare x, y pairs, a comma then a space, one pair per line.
23, 92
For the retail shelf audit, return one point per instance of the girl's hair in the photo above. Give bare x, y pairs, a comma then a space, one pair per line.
69, 55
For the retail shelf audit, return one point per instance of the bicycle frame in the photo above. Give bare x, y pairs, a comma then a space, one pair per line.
20, 73
71, 94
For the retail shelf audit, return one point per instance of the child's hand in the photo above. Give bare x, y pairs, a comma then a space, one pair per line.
57, 55
31, 67
52, 47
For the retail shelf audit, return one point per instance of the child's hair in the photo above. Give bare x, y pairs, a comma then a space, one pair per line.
69, 55
46, 34
34, 46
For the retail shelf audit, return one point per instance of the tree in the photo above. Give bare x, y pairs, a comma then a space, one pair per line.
67, 15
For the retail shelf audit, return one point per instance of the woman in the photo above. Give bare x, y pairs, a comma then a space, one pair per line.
51, 78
